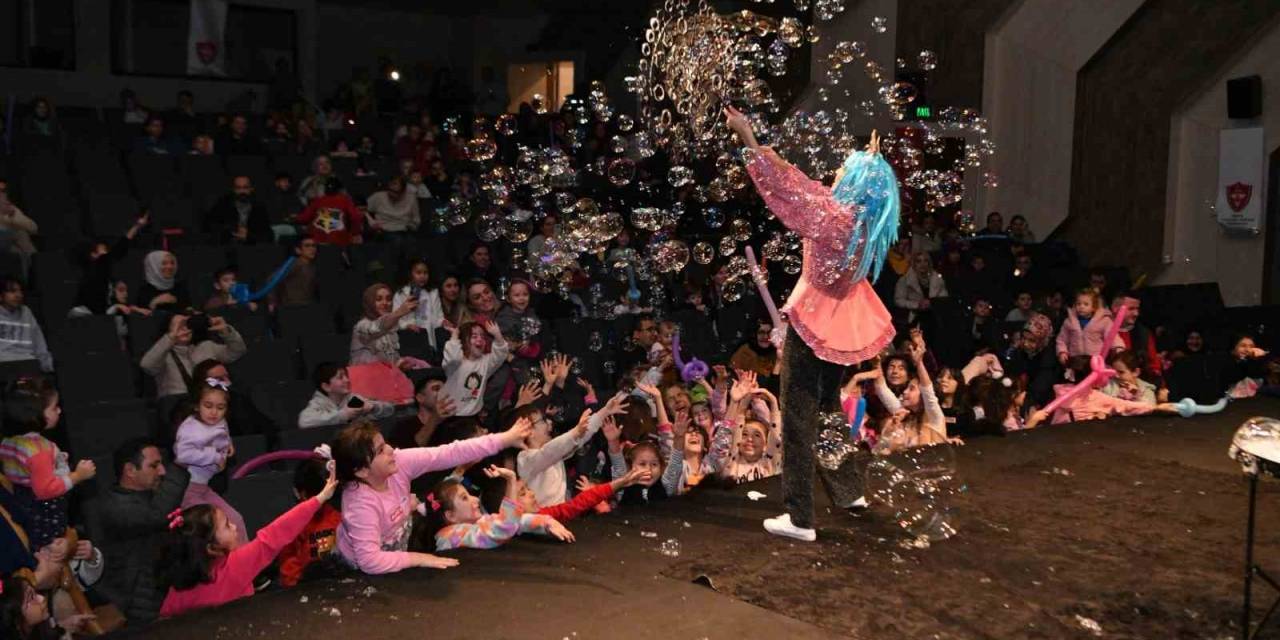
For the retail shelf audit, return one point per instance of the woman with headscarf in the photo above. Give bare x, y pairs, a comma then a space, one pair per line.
376, 366
1031, 357
162, 291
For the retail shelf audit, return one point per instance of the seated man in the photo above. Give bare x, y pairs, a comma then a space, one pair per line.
134, 516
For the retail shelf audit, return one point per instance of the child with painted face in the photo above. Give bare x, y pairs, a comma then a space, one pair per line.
657, 480
460, 521
205, 562
376, 501
203, 447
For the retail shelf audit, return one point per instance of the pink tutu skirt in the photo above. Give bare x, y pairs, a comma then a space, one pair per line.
380, 381
844, 330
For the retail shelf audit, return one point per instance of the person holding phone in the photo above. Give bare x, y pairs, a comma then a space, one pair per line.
334, 403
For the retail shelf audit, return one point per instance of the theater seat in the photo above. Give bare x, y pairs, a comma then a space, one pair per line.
261, 498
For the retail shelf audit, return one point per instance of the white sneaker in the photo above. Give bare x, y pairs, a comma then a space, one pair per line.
781, 526
860, 503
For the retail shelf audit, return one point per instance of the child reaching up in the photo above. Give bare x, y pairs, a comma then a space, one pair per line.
376, 501
541, 463
460, 522
319, 538
589, 495
204, 561
1085, 328
203, 446
469, 359
645, 458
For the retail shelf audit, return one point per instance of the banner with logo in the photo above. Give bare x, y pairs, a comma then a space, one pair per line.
206, 47
1241, 177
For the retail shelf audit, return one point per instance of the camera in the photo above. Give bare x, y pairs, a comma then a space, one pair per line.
355, 403
198, 324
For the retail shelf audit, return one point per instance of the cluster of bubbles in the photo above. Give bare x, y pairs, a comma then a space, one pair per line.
835, 443
693, 61
918, 485
670, 548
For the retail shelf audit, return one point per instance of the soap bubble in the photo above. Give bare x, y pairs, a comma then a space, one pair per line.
792, 264
670, 548
733, 290
704, 253
727, 246
625, 123
481, 149
834, 443
595, 342
918, 485
538, 103
740, 229
506, 124
880, 24
927, 60
680, 176
621, 171
713, 217
990, 180
670, 256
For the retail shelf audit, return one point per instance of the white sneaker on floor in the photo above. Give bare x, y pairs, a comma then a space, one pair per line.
781, 526
860, 503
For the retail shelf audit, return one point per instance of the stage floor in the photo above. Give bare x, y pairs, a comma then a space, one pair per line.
1135, 525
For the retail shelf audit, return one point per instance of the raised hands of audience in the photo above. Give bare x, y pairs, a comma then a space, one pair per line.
529, 393
680, 426
580, 429
85, 470
84, 550
588, 391
634, 476
516, 435
612, 434
492, 328
743, 386
617, 405
559, 532
330, 486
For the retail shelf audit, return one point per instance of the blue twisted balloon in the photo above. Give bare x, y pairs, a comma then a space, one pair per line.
871, 188
241, 292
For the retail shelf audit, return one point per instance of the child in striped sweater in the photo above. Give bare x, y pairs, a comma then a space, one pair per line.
458, 520
35, 466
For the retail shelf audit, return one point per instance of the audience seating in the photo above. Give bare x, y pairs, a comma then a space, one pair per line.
261, 497
281, 402
97, 428
266, 361
325, 348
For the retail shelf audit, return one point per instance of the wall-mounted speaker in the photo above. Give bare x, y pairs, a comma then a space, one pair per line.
1244, 97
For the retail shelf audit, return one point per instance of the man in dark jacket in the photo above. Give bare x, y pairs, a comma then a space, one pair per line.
239, 217
134, 516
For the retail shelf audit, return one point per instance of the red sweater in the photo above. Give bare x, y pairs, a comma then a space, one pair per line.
231, 576
316, 541
333, 219
580, 504
1151, 367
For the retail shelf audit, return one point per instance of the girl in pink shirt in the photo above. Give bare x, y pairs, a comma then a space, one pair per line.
204, 563
376, 501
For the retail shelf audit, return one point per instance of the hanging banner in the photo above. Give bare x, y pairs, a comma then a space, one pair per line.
206, 46
1241, 165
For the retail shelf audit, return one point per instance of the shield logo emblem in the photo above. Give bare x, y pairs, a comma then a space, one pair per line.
207, 51
1238, 196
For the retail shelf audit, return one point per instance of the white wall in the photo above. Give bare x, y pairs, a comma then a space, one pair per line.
1032, 58
94, 84
1195, 249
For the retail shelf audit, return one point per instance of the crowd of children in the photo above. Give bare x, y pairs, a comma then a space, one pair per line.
500, 429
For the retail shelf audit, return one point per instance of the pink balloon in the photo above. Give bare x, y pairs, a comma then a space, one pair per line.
268, 458
779, 327
1100, 373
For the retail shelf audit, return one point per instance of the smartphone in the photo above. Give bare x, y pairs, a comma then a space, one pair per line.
355, 402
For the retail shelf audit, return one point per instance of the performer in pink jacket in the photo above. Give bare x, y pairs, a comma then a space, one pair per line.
835, 317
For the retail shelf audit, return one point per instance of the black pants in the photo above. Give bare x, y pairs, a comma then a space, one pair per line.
810, 385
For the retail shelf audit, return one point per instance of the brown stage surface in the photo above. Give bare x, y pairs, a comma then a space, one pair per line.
1136, 524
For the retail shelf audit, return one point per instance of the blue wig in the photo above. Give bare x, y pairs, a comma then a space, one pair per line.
871, 188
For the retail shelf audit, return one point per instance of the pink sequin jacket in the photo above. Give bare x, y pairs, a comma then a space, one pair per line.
841, 319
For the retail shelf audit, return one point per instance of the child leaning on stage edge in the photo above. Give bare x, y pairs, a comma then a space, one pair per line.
315, 546
376, 501
459, 522
203, 447
662, 481
204, 561
469, 359
541, 463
